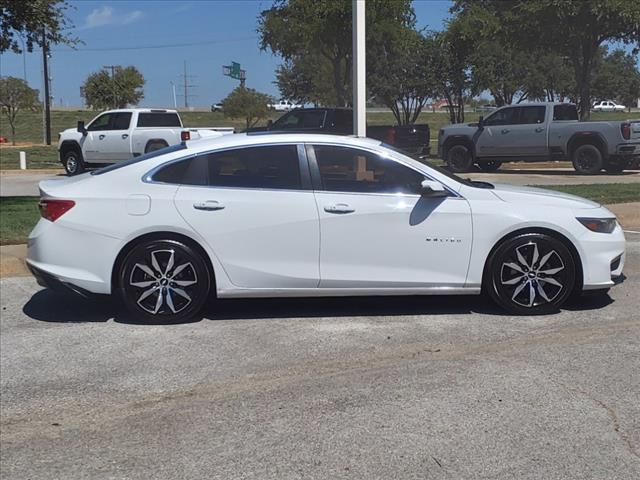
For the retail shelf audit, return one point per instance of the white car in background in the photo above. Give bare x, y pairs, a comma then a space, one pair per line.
284, 106
608, 106
117, 135
290, 215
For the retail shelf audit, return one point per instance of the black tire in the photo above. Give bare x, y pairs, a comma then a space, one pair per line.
587, 159
459, 159
489, 166
73, 162
155, 145
515, 279
164, 281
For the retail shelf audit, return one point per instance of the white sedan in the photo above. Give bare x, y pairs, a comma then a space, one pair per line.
282, 215
608, 106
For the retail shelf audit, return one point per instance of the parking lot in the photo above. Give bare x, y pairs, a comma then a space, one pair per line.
406, 387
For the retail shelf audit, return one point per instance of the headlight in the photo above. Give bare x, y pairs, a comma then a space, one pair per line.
600, 225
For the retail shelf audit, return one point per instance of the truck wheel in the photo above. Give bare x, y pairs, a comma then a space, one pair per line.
490, 166
587, 159
73, 162
459, 159
155, 145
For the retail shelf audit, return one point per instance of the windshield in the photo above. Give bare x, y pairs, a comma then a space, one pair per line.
141, 158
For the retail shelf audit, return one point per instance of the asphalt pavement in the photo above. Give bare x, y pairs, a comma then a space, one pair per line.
353, 388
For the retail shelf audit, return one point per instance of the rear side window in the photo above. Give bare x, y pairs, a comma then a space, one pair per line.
565, 112
273, 167
120, 121
256, 167
530, 115
159, 119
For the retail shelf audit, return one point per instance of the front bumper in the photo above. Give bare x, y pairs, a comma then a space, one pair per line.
603, 259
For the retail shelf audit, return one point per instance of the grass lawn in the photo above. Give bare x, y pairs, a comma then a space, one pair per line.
18, 216
605, 193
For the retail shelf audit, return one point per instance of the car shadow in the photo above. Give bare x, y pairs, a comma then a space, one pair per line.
55, 307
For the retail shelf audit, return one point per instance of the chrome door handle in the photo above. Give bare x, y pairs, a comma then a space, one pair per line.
539, 129
209, 205
101, 137
339, 208
125, 136
504, 130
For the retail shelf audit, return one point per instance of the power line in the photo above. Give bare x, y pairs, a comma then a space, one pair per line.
147, 47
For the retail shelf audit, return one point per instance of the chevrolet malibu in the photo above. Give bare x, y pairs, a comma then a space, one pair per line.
283, 215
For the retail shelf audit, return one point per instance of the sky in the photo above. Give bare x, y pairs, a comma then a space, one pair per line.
204, 34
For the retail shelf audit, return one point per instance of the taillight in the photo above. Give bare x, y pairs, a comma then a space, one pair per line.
53, 209
185, 135
390, 136
625, 129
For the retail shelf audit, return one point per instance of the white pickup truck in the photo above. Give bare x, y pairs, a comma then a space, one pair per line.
117, 135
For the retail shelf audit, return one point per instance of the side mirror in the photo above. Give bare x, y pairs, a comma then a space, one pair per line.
433, 189
481, 122
269, 123
81, 128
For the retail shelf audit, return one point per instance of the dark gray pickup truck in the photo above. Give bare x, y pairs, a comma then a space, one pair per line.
412, 139
538, 132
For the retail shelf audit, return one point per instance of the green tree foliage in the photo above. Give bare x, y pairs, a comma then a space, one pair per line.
616, 77
247, 103
575, 29
100, 91
314, 39
29, 19
399, 73
449, 57
550, 78
15, 96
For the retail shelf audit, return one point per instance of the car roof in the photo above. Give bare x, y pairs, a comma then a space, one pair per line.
140, 110
243, 139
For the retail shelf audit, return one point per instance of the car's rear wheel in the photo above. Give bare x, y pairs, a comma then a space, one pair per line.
73, 162
154, 145
459, 159
587, 159
531, 274
489, 166
164, 281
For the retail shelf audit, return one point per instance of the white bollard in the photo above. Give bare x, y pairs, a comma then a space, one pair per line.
23, 160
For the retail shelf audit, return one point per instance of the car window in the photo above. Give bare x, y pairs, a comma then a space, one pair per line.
100, 123
529, 115
313, 119
159, 119
504, 116
120, 121
289, 121
565, 112
255, 167
344, 169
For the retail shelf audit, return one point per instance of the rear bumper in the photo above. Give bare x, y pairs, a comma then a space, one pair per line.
52, 282
628, 149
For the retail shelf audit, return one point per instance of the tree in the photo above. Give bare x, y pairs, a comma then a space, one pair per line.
617, 77
247, 103
101, 91
449, 59
29, 19
314, 39
575, 29
16, 95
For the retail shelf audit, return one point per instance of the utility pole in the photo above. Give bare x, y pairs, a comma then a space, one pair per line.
47, 98
186, 86
113, 83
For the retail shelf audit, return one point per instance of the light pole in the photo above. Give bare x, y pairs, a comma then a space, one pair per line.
24, 60
359, 70
173, 91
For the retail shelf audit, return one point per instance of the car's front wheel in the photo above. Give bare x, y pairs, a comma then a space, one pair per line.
73, 162
164, 281
531, 274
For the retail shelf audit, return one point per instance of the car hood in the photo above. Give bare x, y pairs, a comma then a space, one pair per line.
540, 196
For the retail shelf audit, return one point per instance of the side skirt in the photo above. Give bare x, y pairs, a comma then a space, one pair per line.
345, 292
